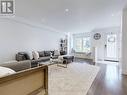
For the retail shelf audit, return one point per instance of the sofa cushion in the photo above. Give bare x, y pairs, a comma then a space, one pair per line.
47, 53
41, 59
20, 57
41, 53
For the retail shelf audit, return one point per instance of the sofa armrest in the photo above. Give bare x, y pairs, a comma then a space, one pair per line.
18, 66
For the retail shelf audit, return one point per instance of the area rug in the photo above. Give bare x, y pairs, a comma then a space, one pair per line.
76, 79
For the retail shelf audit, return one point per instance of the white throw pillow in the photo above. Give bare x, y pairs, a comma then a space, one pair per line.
56, 52
35, 55
4, 71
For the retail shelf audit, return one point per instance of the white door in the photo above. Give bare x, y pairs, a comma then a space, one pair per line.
111, 48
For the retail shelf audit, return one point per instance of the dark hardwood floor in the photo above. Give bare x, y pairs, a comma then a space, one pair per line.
109, 81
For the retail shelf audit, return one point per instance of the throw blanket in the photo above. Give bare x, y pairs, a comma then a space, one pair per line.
6, 71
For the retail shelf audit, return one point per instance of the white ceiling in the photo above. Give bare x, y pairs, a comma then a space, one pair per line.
80, 15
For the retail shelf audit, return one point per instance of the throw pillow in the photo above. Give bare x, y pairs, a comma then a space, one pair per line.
41, 53
35, 55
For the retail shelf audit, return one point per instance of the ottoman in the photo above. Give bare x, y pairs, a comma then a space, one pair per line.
68, 58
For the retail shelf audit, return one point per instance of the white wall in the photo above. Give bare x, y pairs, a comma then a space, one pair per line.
124, 42
16, 37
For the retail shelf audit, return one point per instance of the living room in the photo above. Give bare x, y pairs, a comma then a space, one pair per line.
63, 47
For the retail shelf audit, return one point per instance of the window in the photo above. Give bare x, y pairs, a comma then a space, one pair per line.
82, 44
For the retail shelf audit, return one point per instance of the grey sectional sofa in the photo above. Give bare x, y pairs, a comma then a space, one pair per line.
43, 56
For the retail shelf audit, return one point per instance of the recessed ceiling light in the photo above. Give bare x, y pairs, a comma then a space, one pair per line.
66, 10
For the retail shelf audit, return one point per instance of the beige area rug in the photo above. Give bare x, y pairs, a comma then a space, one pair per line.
74, 80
